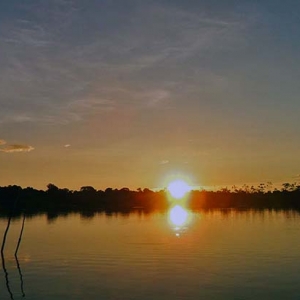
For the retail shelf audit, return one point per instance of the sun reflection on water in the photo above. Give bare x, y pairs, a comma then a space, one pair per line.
179, 218
178, 215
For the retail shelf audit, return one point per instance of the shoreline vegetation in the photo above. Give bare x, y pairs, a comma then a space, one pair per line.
16, 201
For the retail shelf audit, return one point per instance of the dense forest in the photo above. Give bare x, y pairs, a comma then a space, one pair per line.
15, 200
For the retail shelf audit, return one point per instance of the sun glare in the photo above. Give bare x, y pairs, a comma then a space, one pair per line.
178, 215
178, 188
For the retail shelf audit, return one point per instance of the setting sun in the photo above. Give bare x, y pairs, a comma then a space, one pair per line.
178, 188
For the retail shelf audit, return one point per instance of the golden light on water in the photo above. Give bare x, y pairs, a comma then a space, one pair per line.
178, 188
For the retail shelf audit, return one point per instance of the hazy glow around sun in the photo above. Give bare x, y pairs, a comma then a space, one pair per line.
178, 188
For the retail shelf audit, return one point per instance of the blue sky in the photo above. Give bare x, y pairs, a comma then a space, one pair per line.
125, 93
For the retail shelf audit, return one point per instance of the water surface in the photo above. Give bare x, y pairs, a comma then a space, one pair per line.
173, 255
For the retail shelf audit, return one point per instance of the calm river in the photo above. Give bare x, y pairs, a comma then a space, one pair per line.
174, 255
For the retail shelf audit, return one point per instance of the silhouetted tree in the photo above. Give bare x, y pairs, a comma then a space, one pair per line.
52, 188
87, 189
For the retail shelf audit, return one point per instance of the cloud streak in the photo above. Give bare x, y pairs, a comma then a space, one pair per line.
16, 148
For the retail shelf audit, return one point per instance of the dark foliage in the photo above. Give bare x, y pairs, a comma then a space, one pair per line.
59, 201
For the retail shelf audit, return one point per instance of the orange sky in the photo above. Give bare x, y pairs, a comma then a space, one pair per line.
118, 95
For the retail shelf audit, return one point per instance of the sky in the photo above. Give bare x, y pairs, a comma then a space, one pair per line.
115, 93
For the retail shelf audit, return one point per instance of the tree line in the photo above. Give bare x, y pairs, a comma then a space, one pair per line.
88, 200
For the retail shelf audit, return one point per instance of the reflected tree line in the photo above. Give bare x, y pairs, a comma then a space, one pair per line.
60, 201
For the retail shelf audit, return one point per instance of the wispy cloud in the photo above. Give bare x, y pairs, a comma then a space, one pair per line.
90, 104
158, 98
56, 77
16, 148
